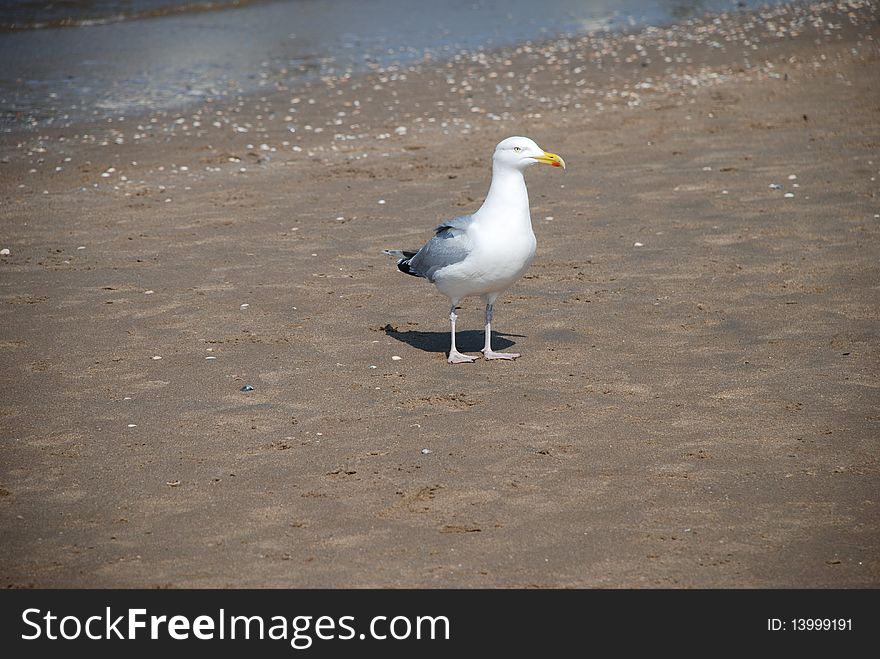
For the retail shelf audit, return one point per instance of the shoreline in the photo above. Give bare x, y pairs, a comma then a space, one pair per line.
320, 68
598, 74
269, 42
695, 411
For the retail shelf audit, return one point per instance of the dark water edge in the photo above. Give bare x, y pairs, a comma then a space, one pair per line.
173, 59
42, 14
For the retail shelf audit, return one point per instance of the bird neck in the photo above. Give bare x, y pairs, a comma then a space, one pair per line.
508, 198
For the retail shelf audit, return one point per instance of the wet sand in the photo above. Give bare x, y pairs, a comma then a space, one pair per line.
696, 411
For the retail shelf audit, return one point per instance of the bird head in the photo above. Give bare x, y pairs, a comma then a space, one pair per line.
521, 152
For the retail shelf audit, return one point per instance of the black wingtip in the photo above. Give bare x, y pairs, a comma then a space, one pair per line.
403, 266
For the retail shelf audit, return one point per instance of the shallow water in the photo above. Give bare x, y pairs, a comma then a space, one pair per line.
38, 14
115, 57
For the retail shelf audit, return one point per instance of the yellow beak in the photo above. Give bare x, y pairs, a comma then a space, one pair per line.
551, 159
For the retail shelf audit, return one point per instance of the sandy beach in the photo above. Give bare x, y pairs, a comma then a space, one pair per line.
696, 404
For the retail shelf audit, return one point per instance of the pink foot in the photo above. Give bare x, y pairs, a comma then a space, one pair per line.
500, 355
457, 358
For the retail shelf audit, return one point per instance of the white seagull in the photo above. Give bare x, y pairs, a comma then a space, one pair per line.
486, 252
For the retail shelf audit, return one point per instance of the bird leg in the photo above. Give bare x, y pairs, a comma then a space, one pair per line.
455, 357
488, 353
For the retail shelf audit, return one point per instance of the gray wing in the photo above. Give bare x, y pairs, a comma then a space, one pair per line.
457, 224
450, 244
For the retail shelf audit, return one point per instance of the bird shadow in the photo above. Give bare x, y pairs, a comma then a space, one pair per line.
465, 340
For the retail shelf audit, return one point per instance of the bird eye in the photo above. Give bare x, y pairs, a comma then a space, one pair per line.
517, 148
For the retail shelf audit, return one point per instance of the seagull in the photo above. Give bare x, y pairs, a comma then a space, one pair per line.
487, 252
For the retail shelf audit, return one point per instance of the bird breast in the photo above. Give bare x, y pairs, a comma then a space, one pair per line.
496, 261
505, 256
